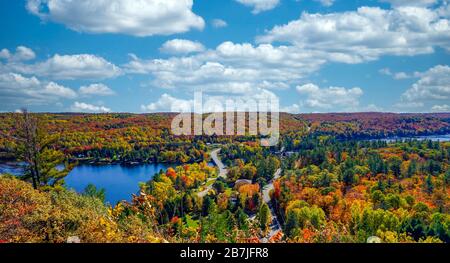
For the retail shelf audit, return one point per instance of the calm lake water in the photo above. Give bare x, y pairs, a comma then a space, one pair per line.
434, 138
119, 181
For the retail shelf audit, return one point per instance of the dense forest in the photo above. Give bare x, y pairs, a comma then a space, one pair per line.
147, 137
318, 185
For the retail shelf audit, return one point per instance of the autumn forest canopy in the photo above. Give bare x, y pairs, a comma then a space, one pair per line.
183, 128
331, 179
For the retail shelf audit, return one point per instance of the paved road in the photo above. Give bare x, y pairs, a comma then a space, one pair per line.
222, 172
275, 225
218, 162
269, 187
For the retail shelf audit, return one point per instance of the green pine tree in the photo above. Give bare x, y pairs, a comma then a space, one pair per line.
45, 165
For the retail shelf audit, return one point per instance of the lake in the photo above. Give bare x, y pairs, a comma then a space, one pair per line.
434, 138
119, 181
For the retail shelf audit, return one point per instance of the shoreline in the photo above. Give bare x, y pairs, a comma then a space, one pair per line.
7, 158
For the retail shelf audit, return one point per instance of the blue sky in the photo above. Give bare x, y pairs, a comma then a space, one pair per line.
150, 56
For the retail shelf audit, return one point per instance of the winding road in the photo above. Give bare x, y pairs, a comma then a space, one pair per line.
275, 225
222, 172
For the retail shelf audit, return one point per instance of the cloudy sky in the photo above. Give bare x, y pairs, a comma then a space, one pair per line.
151, 55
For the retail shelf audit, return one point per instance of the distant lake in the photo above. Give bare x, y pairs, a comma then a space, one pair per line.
434, 138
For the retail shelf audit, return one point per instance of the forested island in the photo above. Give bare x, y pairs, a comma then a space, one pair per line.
331, 179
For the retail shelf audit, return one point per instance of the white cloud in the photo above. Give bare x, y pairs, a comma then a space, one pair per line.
230, 68
303, 47
385, 71
441, 108
331, 98
432, 87
294, 108
167, 103
22, 53
214, 103
138, 18
326, 3
365, 34
397, 3
219, 23
5, 54
259, 5
85, 107
181, 46
96, 89
55, 89
399, 75
82, 66
444, 9
372, 108
18, 90
78, 66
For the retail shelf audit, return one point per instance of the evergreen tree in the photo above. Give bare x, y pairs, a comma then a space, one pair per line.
264, 217
45, 165
429, 187
92, 191
291, 224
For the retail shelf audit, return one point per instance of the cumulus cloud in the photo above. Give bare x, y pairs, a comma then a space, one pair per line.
18, 90
326, 3
331, 98
22, 54
231, 68
167, 103
82, 66
385, 71
432, 88
441, 108
398, 75
294, 108
96, 89
288, 53
397, 3
259, 98
5, 54
259, 5
401, 75
219, 23
85, 107
365, 34
181, 46
137, 18
372, 108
